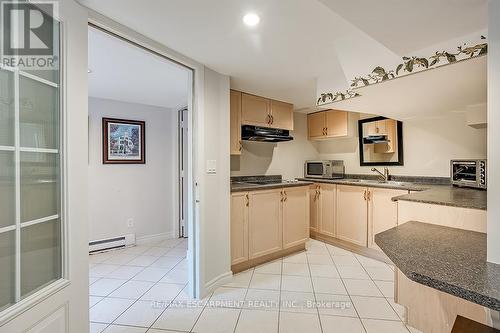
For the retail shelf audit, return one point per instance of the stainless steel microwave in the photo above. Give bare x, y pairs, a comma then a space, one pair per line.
469, 173
324, 169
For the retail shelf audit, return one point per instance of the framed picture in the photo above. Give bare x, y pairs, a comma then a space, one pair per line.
124, 141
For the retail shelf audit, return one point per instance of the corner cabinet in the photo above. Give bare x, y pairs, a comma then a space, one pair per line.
267, 224
235, 119
352, 215
382, 212
327, 124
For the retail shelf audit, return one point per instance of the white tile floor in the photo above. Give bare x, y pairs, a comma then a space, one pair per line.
325, 289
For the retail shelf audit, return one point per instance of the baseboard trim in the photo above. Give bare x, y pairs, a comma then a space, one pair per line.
154, 238
217, 282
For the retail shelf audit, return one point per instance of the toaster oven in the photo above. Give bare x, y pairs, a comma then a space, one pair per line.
469, 173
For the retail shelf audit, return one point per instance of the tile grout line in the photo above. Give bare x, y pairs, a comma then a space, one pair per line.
314, 291
347, 291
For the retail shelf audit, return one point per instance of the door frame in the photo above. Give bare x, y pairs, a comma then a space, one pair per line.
195, 84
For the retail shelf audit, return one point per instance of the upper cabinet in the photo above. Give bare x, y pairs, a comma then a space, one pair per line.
235, 116
260, 111
327, 124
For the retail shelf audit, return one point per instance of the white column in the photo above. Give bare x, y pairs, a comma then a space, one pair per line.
494, 132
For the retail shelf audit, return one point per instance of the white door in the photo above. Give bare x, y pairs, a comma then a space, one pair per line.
43, 169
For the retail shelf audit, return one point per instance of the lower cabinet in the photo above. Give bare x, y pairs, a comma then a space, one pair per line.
239, 227
265, 222
295, 216
326, 200
314, 207
352, 214
382, 212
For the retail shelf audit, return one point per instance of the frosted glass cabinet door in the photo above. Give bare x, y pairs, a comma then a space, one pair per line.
7, 189
39, 185
39, 114
6, 108
40, 255
7, 269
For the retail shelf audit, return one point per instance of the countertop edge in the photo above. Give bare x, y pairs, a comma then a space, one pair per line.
269, 187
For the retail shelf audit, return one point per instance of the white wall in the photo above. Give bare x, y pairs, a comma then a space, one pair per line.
146, 193
215, 188
284, 158
494, 132
429, 145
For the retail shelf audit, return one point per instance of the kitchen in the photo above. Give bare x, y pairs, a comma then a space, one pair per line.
347, 176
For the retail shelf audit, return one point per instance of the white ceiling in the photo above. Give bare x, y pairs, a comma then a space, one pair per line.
124, 72
297, 41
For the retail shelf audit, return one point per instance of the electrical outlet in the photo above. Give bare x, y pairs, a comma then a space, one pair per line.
130, 223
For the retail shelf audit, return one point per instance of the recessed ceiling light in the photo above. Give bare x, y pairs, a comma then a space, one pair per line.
89, 70
251, 19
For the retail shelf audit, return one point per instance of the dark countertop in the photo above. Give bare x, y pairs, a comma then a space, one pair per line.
243, 187
371, 183
447, 259
449, 196
445, 195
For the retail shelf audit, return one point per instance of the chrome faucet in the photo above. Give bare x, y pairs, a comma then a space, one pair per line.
384, 175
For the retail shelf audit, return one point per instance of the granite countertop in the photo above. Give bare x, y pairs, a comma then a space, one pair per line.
432, 192
242, 187
449, 196
398, 185
266, 182
447, 259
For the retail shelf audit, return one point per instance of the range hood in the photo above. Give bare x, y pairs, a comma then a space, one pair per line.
264, 134
371, 139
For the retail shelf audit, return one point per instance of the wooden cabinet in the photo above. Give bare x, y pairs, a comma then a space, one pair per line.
235, 118
255, 110
281, 115
295, 216
260, 111
327, 124
336, 124
326, 198
314, 207
265, 222
382, 212
316, 123
352, 214
239, 227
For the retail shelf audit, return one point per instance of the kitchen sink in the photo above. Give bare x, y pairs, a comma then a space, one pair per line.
370, 181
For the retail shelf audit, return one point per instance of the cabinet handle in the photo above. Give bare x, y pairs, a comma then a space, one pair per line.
268, 119
240, 146
364, 194
248, 200
369, 195
272, 119
326, 130
284, 199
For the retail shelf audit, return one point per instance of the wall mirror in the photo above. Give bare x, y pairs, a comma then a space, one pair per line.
380, 141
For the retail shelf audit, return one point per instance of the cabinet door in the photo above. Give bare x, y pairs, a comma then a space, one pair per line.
327, 209
352, 211
239, 227
382, 212
265, 222
295, 216
336, 124
235, 116
316, 124
281, 115
255, 110
314, 207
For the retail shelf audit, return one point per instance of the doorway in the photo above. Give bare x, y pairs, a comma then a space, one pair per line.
138, 212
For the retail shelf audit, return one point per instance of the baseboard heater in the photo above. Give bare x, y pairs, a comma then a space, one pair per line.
108, 244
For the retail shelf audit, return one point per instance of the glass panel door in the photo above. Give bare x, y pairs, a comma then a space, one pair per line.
30, 179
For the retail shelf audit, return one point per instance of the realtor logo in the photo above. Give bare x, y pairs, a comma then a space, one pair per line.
28, 34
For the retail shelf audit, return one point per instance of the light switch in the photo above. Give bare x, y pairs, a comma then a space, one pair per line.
211, 166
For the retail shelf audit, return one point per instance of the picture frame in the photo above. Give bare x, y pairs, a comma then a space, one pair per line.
123, 141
